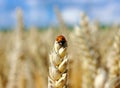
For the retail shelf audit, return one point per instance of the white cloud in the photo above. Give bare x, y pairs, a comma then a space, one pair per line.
92, 1
32, 3
35, 3
67, 1
2, 3
71, 15
81, 1
36, 16
107, 13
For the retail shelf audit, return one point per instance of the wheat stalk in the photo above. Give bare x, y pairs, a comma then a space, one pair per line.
114, 63
84, 22
60, 19
1, 85
100, 78
16, 54
115, 69
58, 67
20, 20
88, 62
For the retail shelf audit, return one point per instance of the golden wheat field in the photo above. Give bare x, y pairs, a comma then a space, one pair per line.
91, 58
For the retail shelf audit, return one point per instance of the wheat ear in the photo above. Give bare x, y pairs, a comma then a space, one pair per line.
88, 62
16, 54
114, 66
58, 67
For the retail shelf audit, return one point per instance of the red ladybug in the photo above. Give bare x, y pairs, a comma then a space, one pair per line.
61, 41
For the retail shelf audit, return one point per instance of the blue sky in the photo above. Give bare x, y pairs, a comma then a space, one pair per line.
41, 12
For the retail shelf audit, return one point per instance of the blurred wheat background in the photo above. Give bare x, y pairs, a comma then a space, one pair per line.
93, 52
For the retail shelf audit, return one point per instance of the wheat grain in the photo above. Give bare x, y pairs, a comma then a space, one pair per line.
58, 67
88, 62
114, 67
